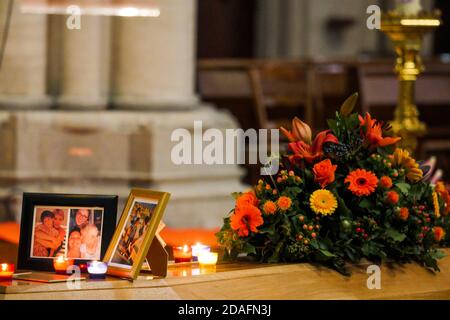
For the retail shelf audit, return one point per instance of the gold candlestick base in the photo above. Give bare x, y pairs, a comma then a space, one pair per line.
406, 34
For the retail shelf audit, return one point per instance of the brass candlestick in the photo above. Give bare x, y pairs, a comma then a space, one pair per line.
406, 33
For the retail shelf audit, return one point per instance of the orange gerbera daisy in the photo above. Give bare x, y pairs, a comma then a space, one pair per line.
374, 132
270, 207
362, 182
246, 218
284, 203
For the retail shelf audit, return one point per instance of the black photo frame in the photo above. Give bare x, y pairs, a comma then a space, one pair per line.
25, 260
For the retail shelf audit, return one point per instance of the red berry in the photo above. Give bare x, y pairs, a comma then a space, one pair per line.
420, 235
358, 230
305, 226
313, 235
366, 235
317, 227
310, 228
428, 219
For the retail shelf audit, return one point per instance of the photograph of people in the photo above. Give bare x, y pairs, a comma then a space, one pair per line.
90, 242
85, 233
47, 238
58, 223
79, 217
133, 233
74, 244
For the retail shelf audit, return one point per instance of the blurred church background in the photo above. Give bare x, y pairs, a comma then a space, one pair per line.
92, 110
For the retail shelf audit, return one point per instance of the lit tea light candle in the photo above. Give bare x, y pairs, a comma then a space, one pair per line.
408, 7
97, 269
182, 254
208, 258
61, 264
198, 249
6, 272
83, 267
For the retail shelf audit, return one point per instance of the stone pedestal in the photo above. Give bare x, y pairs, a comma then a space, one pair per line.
23, 73
109, 152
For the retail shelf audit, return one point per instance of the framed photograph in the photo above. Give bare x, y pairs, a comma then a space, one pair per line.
135, 232
74, 226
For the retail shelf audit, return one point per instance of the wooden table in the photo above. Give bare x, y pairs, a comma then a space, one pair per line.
252, 281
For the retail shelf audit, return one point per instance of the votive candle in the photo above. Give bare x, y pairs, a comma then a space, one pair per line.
198, 249
97, 269
208, 258
182, 254
6, 272
61, 264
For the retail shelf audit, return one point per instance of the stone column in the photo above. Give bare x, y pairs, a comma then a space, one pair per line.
23, 73
154, 58
84, 73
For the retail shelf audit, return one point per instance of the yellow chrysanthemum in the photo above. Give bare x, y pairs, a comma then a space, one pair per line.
323, 201
437, 213
402, 159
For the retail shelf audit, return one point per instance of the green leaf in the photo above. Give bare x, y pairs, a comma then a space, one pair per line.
365, 204
348, 105
248, 248
326, 253
342, 207
332, 124
403, 187
438, 254
430, 262
395, 235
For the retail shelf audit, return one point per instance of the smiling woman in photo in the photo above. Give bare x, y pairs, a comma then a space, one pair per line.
74, 243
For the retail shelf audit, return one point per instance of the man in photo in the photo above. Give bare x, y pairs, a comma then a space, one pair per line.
90, 247
46, 237
74, 244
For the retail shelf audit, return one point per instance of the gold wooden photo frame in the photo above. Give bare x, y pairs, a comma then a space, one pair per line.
135, 237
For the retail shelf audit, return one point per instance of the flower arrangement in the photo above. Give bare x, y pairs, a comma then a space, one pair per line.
345, 195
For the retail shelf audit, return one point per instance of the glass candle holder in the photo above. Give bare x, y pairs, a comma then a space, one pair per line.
208, 258
6, 272
97, 270
61, 264
182, 254
198, 249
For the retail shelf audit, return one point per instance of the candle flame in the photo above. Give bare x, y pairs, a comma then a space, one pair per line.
4, 267
185, 248
60, 259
